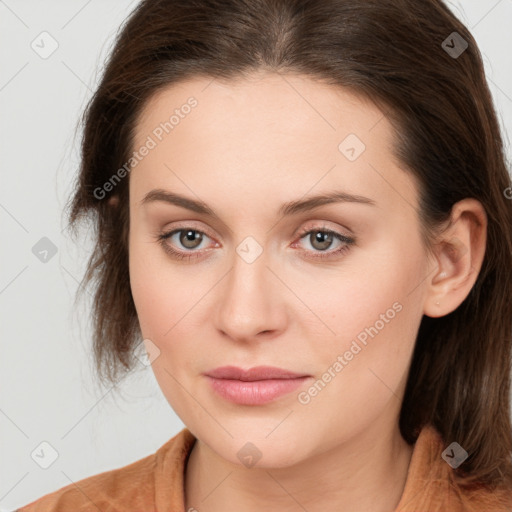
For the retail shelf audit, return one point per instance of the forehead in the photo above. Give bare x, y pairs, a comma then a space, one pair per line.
263, 133
297, 104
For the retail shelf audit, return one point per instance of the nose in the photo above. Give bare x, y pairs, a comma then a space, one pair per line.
251, 303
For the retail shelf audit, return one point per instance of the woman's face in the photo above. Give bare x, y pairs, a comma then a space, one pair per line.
341, 310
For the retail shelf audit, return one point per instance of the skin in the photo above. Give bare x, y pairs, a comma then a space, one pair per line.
249, 146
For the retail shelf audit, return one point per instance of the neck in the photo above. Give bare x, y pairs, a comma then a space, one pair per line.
366, 472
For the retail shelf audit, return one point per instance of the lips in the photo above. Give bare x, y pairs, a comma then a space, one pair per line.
252, 374
255, 386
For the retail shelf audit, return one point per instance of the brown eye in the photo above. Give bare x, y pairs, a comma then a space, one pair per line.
183, 244
321, 240
189, 238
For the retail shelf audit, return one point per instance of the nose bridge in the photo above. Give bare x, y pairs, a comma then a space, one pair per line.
248, 302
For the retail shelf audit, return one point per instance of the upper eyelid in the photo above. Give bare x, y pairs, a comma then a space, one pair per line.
320, 225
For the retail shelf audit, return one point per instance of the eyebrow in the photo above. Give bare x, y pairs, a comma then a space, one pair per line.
287, 209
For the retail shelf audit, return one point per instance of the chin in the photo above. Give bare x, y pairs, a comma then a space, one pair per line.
256, 451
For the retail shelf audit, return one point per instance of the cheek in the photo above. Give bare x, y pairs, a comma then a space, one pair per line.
147, 292
161, 292
162, 299
371, 284
371, 313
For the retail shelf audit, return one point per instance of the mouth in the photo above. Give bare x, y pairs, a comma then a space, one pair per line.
255, 386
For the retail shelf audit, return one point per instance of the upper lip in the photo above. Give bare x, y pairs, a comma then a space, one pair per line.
255, 373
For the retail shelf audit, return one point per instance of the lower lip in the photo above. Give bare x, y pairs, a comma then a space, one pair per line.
254, 392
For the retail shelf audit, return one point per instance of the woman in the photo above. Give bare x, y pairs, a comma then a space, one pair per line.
302, 212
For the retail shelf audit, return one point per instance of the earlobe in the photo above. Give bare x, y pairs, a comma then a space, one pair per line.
459, 252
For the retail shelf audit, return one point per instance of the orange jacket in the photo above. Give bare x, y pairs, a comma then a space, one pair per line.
155, 484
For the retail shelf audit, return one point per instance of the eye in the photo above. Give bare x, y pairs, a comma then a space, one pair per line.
321, 238
189, 238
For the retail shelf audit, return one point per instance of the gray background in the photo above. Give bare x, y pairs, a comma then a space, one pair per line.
47, 387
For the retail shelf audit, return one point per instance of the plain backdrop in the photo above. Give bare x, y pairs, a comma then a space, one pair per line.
47, 390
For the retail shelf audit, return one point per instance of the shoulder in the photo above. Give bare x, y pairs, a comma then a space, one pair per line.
126, 485
128, 488
431, 483
450, 496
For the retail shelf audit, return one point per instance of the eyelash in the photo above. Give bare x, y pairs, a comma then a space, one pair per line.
179, 255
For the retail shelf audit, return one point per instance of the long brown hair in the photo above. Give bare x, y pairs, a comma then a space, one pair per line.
392, 52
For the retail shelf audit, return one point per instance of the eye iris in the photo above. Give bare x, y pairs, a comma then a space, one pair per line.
188, 236
324, 238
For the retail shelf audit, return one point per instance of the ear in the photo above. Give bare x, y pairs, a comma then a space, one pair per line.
459, 253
